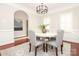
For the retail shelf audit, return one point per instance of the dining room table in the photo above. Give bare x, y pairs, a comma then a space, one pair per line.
45, 37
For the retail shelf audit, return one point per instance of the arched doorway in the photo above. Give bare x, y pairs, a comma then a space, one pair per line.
20, 24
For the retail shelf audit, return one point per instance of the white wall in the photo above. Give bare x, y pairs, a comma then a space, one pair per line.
6, 24
34, 22
76, 19
55, 20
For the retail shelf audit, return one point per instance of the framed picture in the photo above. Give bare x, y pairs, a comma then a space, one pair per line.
18, 25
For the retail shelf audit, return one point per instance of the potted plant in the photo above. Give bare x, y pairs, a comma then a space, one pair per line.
43, 27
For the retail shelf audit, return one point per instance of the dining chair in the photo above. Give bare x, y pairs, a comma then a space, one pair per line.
33, 42
58, 42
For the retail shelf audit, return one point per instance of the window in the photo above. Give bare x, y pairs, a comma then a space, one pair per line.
66, 21
47, 22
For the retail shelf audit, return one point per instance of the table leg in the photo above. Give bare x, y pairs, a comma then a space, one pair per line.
44, 47
51, 47
0, 54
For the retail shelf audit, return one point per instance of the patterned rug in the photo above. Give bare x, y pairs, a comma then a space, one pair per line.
23, 50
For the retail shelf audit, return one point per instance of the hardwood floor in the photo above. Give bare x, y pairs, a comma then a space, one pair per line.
74, 46
75, 49
17, 42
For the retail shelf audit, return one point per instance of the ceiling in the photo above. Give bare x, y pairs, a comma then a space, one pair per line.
52, 7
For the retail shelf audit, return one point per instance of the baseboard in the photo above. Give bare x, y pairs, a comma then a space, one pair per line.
70, 42
18, 42
6, 46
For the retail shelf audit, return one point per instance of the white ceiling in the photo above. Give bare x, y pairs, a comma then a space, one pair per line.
52, 7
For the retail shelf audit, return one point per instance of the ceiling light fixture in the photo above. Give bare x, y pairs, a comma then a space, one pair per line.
42, 9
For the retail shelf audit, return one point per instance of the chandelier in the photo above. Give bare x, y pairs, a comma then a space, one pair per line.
42, 9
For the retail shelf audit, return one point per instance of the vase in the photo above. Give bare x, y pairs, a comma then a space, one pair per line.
43, 30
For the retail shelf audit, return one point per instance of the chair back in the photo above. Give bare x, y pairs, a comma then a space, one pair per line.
59, 37
32, 37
